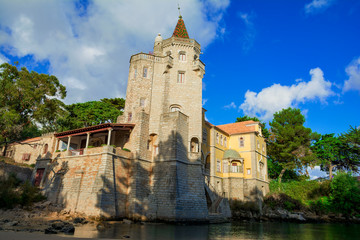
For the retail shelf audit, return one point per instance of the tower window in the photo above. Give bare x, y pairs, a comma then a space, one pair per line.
142, 102
194, 145
129, 117
135, 72
175, 108
241, 142
145, 73
182, 56
225, 143
181, 77
217, 138
221, 140
218, 165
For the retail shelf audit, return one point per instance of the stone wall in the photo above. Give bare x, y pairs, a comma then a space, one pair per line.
22, 173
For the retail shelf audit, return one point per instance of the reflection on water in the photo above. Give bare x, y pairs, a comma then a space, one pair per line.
228, 231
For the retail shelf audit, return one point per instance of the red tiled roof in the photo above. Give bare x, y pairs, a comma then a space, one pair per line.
239, 127
104, 126
180, 29
31, 140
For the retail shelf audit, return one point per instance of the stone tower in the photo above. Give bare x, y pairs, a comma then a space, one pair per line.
167, 80
164, 101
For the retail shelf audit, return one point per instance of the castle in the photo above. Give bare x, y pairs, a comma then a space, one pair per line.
162, 160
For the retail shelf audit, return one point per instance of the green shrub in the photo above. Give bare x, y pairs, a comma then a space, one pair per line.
320, 206
345, 194
58, 150
114, 146
125, 149
238, 205
13, 193
90, 147
32, 165
283, 200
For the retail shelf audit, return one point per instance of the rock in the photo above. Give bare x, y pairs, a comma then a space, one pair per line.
296, 217
79, 220
127, 221
68, 229
11, 224
50, 230
102, 226
58, 225
126, 236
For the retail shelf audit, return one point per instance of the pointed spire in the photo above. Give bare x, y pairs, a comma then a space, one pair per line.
180, 29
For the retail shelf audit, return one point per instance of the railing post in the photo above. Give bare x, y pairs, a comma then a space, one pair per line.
68, 145
109, 136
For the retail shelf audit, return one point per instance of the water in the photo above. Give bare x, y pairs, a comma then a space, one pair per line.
228, 231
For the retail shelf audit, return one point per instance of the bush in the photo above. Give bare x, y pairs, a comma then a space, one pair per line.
238, 205
125, 149
90, 147
345, 194
13, 193
283, 200
320, 206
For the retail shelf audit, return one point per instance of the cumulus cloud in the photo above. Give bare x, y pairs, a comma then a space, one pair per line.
88, 45
353, 71
3, 59
232, 105
317, 5
276, 97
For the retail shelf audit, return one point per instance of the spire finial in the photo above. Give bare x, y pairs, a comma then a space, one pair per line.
179, 11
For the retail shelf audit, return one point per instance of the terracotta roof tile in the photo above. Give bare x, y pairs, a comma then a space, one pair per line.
239, 127
180, 29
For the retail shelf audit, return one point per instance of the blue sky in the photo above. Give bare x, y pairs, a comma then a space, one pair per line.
261, 56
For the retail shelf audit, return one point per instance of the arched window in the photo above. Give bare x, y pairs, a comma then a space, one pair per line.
194, 145
182, 56
175, 108
46, 148
241, 142
236, 166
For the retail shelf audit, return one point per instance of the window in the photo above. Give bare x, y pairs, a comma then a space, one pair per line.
194, 145
135, 72
175, 108
221, 140
46, 148
145, 73
218, 165
241, 142
26, 156
248, 171
263, 148
142, 102
129, 117
235, 167
225, 142
258, 144
204, 138
181, 77
182, 56
217, 138
225, 166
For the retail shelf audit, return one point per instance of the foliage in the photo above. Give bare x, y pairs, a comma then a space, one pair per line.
320, 206
289, 141
27, 99
345, 193
301, 190
238, 205
13, 192
264, 130
125, 149
119, 103
283, 200
89, 114
274, 170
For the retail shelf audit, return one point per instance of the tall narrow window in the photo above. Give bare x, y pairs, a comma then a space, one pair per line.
145, 73
194, 145
225, 142
241, 142
45, 148
221, 140
182, 56
135, 72
218, 165
142, 102
129, 117
225, 166
217, 138
181, 77
258, 144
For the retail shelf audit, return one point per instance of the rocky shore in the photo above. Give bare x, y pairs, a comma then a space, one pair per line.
283, 215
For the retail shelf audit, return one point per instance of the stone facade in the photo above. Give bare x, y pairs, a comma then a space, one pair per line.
160, 161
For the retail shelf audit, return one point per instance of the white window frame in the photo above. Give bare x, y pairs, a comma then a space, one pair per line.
181, 77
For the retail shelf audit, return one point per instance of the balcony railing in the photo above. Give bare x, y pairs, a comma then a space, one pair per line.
76, 152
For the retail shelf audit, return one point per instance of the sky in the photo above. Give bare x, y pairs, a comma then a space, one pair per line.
261, 56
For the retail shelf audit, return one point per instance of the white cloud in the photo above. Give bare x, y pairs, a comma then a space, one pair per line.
3, 59
276, 97
89, 47
204, 101
232, 105
317, 5
249, 32
353, 71
316, 173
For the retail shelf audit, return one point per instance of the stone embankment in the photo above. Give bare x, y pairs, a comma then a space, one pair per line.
283, 215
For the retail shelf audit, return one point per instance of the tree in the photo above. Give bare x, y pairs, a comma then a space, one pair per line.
27, 99
88, 114
329, 151
264, 130
289, 141
119, 103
